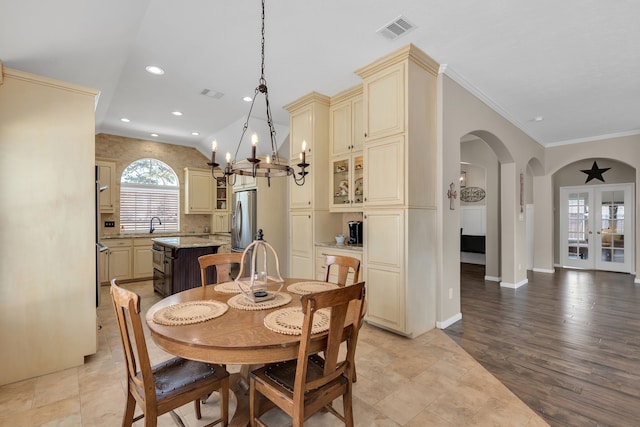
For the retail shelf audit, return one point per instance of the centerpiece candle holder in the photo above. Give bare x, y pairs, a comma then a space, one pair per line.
256, 286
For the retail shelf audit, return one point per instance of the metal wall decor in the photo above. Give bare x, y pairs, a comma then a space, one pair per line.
472, 194
452, 194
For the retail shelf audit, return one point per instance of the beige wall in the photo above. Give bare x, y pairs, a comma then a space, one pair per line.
125, 150
461, 113
47, 228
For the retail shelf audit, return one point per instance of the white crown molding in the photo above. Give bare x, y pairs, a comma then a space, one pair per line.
451, 73
594, 138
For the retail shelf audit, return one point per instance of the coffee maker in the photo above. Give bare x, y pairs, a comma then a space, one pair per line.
355, 232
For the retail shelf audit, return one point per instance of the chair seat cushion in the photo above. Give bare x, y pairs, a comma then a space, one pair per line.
284, 373
177, 373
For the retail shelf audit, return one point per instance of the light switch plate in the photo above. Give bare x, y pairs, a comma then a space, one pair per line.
109, 223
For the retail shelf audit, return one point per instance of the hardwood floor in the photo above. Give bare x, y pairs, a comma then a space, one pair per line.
567, 344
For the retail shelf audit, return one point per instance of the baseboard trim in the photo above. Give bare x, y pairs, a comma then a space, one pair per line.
543, 270
492, 278
636, 280
450, 321
514, 285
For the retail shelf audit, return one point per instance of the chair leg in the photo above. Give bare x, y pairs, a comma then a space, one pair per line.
224, 402
196, 404
348, 408
127, 419
252, 402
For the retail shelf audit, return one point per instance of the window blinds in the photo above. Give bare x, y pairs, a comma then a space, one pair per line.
140, 203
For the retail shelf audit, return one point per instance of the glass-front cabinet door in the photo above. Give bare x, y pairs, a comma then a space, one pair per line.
596, 227
347, 183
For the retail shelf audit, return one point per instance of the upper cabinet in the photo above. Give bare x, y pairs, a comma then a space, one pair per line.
107, 171
384, 107
199, 191
222, 194
309, 123
345, 122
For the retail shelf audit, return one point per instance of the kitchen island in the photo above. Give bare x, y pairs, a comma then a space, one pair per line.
175, 262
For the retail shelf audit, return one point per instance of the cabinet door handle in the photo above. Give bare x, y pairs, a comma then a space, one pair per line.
365, 134
365, 199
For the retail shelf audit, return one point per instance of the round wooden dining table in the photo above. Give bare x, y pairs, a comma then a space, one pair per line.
236, 337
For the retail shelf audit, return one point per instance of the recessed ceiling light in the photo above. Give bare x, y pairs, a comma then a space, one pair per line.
155, 135
124, 119
177, 113
465, 163
538, 119
154, 69
195, 133
247, 99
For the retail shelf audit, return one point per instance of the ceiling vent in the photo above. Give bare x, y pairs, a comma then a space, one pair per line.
396, 28
212, 93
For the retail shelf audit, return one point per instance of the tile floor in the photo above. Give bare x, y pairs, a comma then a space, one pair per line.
427, 381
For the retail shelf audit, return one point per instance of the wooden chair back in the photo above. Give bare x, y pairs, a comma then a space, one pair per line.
310, 383
223, 264
342, 264
162, 388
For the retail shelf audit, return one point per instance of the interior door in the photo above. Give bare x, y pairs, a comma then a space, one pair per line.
576, 228
614, 228
596, 227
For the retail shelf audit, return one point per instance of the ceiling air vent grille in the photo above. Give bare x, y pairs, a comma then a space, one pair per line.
212, 93
396, 28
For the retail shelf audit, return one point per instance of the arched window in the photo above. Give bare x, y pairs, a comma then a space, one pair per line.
148, 189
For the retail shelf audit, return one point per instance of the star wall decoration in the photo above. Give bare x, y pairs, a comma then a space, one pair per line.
594, 173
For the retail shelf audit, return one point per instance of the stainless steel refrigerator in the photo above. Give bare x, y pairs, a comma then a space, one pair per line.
243, 219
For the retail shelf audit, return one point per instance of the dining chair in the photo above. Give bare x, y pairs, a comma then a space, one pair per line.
168, 385
310, 383
342, 264
223, 264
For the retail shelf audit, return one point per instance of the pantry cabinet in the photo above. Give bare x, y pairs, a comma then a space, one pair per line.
199, 191
399, 212
309, 217
346, 122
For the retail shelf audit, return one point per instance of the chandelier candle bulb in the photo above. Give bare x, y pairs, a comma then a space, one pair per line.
254, 143
304, 149
214, 146
228, 159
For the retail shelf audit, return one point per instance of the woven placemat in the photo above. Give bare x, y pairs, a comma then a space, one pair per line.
303, 288
242, 303
289, 320
229, 288
189, 312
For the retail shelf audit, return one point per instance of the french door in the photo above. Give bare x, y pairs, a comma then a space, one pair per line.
597, 227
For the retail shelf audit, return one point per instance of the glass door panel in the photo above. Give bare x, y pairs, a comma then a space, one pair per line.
613, 245
577, 227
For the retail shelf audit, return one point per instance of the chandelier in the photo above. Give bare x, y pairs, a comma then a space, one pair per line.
271, 166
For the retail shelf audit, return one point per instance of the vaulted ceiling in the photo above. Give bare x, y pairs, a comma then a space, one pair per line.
561, 71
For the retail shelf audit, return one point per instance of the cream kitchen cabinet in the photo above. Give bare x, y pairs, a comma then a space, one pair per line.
243, 182
384, 176
309, 217
220, 222
142, 258
301, 245
107, 171
347, 183
400, 205
309, 122
222, 195
346, 122
384, 107
199, 191
120, 259
322, 251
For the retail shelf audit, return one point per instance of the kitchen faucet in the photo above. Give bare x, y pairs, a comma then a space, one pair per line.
151, 224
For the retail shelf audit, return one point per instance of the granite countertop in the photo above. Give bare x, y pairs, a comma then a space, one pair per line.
155, 235
347, 246
183, 242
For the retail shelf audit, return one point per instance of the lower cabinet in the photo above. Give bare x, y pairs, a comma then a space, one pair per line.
301, 248
126, 259
142, 259
321, 251
120, 252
